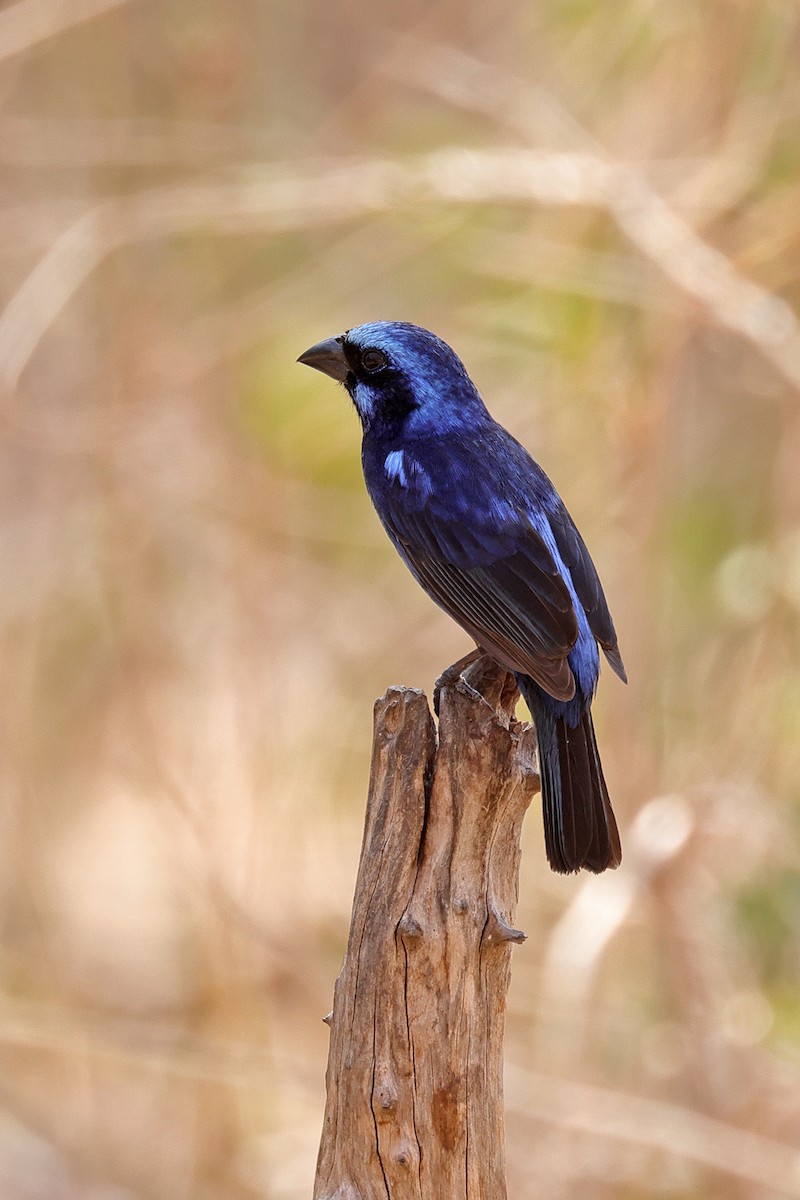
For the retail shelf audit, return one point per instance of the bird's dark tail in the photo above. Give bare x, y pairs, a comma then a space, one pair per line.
579, 825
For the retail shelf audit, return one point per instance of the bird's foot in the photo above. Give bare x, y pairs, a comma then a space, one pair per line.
452, 675
484, 679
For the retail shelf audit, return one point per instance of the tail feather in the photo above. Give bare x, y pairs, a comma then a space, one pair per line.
608, 850
579, 825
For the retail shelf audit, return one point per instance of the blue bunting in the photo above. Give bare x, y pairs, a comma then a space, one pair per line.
484, 532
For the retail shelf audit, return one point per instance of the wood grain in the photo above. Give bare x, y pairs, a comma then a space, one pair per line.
414, 1081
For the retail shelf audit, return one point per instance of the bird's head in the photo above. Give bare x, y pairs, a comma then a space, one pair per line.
399, 375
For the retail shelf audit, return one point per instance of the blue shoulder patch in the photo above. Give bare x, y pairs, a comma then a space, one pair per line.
395, 467
404, 470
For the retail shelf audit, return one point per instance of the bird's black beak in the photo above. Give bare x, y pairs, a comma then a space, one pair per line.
328, 357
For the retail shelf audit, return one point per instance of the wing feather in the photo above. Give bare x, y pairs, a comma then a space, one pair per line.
489, 542
516, 606
588, 588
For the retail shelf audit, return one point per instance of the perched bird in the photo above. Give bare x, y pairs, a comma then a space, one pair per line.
483, 530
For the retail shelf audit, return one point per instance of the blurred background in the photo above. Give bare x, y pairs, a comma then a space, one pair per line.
596, 203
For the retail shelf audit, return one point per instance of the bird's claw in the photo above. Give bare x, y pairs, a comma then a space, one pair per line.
452, 676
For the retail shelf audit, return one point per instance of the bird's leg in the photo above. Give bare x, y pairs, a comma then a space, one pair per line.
453, 674
494, 683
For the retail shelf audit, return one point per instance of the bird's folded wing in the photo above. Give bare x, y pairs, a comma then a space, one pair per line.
588, 588
513, 600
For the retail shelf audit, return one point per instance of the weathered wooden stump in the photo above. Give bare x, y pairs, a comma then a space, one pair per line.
414, 1080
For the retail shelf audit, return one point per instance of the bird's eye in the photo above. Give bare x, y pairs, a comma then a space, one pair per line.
373, 360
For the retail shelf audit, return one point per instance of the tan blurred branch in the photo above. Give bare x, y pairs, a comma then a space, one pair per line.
127, 141
29, 22
604, 1113
278, 200
704, 185
598, 910
146, 1046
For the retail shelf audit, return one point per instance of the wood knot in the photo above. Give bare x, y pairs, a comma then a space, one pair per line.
461, 905
385, 1096
498, 931
410, 927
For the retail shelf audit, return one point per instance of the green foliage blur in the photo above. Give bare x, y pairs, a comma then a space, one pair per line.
199, 607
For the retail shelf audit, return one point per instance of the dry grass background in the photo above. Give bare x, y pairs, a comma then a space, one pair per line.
596, 202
